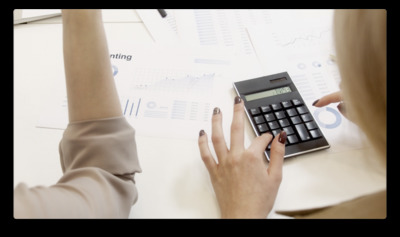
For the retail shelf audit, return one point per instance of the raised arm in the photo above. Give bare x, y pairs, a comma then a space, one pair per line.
98, 149
91, 89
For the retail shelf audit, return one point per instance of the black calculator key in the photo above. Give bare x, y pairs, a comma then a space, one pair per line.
292, 139
258, 119
273, 125
291, 112
286, 104
302, 131
276, 106
297, 102
302, 110
306, 117
316, 133
254, 111
262, 128
269, 117
295, 119
288, 130
311, 125
280, 114
284, 122
265, 109
276, 132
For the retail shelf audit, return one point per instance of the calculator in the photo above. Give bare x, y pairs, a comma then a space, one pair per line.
273, 104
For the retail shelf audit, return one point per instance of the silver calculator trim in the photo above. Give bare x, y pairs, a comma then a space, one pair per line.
286, 155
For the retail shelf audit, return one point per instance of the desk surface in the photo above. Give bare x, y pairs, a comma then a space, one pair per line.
174, 183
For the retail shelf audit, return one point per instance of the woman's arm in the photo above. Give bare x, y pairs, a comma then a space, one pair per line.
98, 157
91, 89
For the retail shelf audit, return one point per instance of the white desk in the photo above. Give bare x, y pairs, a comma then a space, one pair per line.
174, 182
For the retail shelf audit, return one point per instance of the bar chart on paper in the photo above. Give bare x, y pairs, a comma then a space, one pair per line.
220, 27
162, 103
167, 102
164, 91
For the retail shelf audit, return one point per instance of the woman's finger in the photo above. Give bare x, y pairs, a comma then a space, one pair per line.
237, 127
276, 157
260, 143
328, 99
205, 153
217, 134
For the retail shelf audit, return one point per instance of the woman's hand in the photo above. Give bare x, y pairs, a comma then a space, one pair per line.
334, 97
244, 186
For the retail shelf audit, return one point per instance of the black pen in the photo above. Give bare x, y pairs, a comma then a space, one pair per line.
162, 12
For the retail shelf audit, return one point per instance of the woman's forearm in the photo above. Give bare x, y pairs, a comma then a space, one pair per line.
90, 85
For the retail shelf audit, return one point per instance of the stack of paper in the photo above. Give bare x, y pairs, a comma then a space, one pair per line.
22, 16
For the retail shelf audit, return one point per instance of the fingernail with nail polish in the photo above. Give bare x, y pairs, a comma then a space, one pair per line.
216, 110
342, 107
315, 102
201, 133
282, 137
237, 100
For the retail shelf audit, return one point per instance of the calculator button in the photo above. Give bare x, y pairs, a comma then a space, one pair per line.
276, 132
286, 104
316, 133
288, 130
297, 102
291, 112
273, 125
302, 110
265, 109
292, 139
262, 128
276, 106
258, 119
284, 122
311, 125
280, 114
295, 119
254, 111
302, 131
306, 117
269, 117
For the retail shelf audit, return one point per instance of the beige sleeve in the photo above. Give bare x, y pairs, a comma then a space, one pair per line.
99, 161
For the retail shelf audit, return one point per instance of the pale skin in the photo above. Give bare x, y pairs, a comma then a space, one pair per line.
90, 84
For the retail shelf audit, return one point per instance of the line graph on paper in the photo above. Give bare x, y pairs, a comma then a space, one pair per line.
302, 39
162, 82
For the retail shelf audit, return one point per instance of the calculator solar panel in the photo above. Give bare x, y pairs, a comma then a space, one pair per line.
273, 104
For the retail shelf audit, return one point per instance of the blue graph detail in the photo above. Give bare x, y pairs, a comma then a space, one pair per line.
131, 107
305, 37
335, 124
115, 70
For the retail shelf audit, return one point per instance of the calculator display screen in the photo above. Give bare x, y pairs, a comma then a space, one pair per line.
268, 93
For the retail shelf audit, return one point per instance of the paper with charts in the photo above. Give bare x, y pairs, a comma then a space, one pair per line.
161, 95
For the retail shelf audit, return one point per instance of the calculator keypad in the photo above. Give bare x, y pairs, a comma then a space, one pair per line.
292, 116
